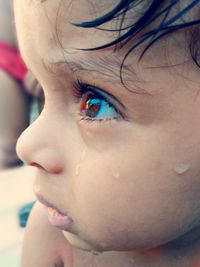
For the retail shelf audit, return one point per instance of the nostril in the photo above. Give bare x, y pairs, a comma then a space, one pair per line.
34, 164
51, 168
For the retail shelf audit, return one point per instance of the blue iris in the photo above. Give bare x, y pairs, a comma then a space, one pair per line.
100, 109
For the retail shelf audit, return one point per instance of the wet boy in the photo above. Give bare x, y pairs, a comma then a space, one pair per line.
117, 153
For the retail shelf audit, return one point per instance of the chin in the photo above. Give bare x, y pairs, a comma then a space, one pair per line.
75, 241
79, 243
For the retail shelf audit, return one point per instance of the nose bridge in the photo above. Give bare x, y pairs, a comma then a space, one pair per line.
36, 146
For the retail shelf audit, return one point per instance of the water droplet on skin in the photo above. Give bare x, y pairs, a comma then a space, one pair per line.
116, 175
96, 253
96, 145
77, 169
99, 147
83, 154
181, 168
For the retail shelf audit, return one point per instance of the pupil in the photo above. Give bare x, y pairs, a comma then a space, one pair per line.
92, 107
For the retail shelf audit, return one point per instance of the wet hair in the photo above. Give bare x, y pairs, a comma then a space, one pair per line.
165, 16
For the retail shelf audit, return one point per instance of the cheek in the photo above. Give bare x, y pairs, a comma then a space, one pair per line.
109, 199
130, 199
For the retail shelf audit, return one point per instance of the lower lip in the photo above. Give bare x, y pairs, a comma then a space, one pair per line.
59, 219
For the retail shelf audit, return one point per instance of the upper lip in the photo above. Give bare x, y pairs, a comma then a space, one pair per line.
46, 203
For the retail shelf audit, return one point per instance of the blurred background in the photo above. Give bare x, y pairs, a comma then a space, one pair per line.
16, 201
15, 194
20, 99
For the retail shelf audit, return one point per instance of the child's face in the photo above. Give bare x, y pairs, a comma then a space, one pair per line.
131, 180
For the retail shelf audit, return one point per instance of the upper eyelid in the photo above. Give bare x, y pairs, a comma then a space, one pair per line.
110, 98
106, 95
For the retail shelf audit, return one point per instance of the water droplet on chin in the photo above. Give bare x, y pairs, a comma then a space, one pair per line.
77, 169
181, 168
116, 174
96, 253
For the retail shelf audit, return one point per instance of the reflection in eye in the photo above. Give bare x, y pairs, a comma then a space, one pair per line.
93, 106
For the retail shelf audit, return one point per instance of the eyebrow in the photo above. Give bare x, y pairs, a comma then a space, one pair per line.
107, 66
104, 67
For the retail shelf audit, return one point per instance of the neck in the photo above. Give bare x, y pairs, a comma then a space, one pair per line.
184, 252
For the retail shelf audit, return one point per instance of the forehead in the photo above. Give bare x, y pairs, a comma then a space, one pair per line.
46, 34
53, 19
45, 25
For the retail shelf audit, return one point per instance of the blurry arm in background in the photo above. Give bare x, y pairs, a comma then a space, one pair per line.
14, 101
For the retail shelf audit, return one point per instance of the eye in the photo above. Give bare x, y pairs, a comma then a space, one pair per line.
94, 107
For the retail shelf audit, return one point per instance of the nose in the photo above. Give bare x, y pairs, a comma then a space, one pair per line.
37, 147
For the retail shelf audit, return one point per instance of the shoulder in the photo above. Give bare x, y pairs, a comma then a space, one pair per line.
43, 244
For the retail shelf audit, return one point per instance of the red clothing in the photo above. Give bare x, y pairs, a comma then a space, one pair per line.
11, 61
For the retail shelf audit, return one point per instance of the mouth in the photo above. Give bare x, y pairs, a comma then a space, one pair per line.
56, 217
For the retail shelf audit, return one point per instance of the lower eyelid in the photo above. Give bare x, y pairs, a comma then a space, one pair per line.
96, 125
100, 120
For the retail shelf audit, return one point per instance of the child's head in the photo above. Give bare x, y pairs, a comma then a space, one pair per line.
120, 155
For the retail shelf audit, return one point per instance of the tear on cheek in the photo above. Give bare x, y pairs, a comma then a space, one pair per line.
181, 168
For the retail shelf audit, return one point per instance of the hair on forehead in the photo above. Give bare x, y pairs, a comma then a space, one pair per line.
165, 16
162, 17
153, 11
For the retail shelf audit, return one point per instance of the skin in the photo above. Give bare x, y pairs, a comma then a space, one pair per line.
130, 184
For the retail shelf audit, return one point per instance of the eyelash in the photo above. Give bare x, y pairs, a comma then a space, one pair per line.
80, 90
